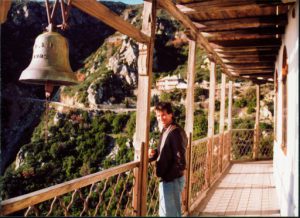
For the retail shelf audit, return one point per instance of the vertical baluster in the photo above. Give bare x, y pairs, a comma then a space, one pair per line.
256, 128
222, 119
229, 119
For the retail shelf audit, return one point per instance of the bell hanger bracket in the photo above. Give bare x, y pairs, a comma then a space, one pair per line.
65, 11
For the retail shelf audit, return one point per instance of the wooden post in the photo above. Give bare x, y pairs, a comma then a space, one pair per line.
189, 118
145, 61
188, 186
222, 118
4, 8
256, 127
211, 111
229, 119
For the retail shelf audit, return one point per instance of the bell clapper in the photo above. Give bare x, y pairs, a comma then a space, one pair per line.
48, 91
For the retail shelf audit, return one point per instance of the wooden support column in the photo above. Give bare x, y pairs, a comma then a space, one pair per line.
145, 61
4, 8
256, 127
229, 119
211, 112
189, 120
222, 118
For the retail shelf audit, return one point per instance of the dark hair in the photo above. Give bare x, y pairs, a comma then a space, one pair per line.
164, 106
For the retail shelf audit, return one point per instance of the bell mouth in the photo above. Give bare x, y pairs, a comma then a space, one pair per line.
50, 75
44, 82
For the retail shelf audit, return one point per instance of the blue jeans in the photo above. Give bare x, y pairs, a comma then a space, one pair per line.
170, 197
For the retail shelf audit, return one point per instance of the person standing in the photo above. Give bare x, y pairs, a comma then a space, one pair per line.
170, 161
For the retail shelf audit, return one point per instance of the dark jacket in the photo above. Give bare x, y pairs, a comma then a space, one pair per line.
171, 163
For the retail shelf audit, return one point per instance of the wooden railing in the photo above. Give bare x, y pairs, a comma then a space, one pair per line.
107, 193
110, 192
265, 148
152, 191
242, 144
242, 147
199, 171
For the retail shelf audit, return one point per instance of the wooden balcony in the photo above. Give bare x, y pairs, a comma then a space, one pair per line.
216, 185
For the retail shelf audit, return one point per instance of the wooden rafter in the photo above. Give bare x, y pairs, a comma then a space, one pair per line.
250, 67
104, 14
169, 6
245, 60
260, 31
253, 71
217, 6
246, 43
242, 23
256, 50
237, 36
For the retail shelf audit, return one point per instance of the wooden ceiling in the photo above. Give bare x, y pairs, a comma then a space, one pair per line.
242, 36
245, 34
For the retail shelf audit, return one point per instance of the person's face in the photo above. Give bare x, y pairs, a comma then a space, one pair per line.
164, 119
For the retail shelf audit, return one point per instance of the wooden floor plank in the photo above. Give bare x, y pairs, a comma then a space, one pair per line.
246, 190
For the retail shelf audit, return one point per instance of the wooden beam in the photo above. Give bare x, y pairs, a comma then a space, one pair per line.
104, 14
248, 60
265, 11
259, 65
252, 71
265, 75
169, 6
226, 50
253, 79
145, 62
250, 55
261, 30
245, 43
237, 36
189, 118
252, 65
217, 6
244, 46
240, 23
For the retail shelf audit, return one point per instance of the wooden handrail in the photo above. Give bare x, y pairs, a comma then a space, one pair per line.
15, 204
198, 141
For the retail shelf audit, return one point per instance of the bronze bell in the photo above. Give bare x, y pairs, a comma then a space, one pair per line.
50, 62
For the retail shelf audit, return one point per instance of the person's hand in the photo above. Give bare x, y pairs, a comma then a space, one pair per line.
151, 152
